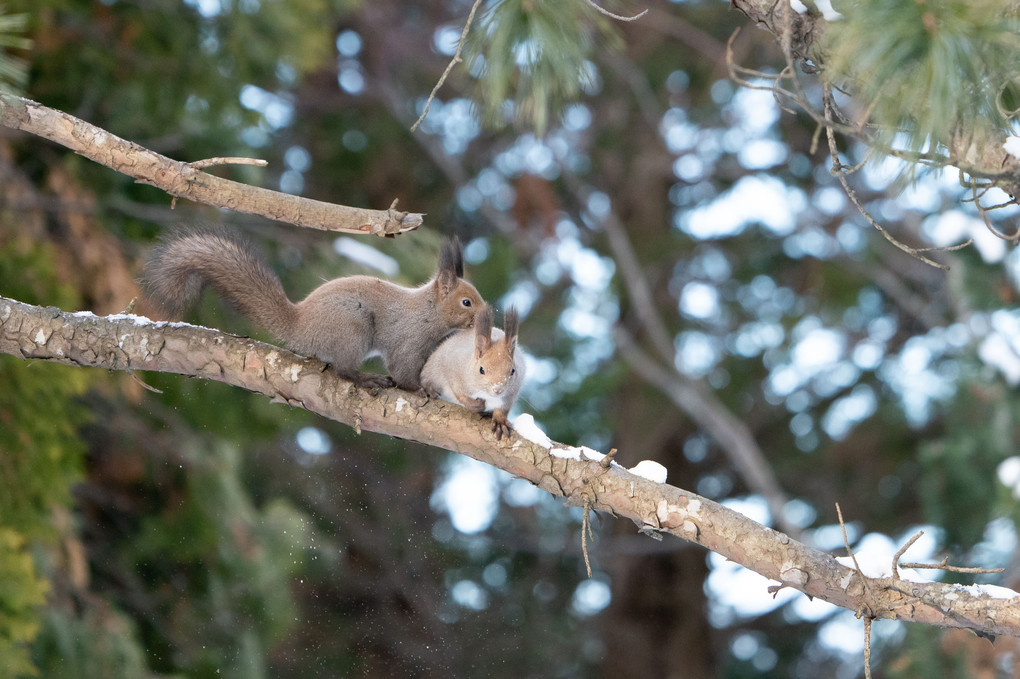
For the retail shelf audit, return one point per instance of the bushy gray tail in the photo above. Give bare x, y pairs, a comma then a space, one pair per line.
181, 266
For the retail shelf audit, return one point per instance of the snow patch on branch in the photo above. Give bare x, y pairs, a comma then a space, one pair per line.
1012, 146
524, 425
828, 11
142, 321
580, 454
647, 469
993, 591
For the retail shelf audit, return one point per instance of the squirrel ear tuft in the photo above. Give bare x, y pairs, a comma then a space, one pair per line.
483, 330
451, 257
511, 327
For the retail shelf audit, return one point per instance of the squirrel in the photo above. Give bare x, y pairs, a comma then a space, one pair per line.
480, 369
341, 322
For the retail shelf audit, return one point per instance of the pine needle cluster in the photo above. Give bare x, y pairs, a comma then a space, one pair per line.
926, 69
13, 70
532, 57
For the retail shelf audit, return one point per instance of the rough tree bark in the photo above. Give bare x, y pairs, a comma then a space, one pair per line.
133, 343
186, 180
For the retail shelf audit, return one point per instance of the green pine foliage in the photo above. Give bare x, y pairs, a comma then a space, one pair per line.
957, 466
927, 70
13, 69
233, 560
40, 459
42, 456
98, 643
22, 593
536, 56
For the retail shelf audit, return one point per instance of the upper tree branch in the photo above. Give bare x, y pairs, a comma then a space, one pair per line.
186, 180
975, 151
131, 343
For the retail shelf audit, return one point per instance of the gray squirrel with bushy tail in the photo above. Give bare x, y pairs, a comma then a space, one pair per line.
341, 322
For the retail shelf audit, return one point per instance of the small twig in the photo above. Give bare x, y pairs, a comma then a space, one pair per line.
814, 138
838, 171
865, 610
130, 308
151, 388
585, 531
983, 211
449, 67
739, 75
867, 648
209, 162
944, 566
608, 459
856, 168
846, 541
777, 90
947, 248
617, 17
904, 548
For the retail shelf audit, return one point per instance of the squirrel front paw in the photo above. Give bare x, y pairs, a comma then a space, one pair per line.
429, 391
501, 425
474, 404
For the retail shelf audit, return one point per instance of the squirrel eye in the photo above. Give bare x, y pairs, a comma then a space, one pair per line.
513, 371
465, 302
481, 369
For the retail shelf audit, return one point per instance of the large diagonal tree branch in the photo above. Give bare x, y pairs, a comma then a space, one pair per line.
133, 343
703, 406
186, 180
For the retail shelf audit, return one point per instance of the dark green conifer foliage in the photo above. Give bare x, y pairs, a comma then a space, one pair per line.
532, 58
925, 71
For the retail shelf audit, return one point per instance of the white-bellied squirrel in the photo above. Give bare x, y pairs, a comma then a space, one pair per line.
480, 369
341, 322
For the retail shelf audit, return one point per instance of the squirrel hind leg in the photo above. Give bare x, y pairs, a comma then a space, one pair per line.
429, 391
367, 380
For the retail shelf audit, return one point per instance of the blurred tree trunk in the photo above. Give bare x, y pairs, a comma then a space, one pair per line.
656, 625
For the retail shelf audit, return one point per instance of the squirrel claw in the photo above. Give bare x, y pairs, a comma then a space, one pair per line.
430, 392
501, 430
500, 425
